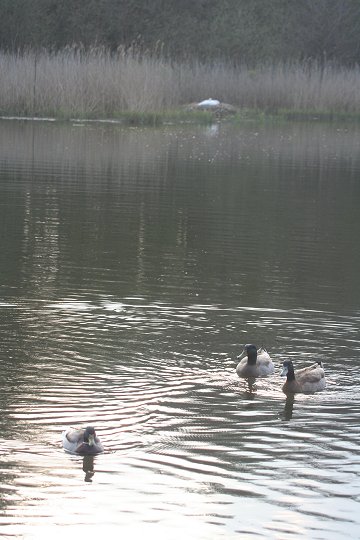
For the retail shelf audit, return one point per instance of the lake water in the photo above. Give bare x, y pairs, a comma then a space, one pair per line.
135, 264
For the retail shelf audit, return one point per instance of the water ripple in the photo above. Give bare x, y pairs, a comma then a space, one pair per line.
169, 408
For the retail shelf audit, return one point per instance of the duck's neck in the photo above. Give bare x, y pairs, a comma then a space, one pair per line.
252, 358
290, 374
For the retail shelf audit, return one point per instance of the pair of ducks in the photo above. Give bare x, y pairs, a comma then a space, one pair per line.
259, 364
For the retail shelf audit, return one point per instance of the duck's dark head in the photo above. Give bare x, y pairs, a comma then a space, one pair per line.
288, 370
251, 352
89, 435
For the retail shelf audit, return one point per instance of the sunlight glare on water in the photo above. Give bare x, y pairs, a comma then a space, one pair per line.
135, 266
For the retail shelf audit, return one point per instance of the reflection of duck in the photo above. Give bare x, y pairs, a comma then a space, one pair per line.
82, 441
289, 407
257, 364
250, 390
306, 380
88, 468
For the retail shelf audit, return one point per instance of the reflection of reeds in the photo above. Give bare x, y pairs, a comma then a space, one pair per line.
93, 83
107, 147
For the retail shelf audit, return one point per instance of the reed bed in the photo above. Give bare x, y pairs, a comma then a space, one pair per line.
97, 83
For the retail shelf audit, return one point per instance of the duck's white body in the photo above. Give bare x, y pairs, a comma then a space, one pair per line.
257, 363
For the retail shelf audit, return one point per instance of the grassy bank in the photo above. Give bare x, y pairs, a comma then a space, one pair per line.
97, 84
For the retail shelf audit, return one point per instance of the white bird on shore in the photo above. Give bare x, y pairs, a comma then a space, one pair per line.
209, 103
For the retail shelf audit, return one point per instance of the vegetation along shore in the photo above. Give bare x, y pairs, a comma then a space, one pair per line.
147, 61
97, 83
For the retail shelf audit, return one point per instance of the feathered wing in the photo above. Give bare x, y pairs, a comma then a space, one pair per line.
264, 362
67, 443
75, 436
311, 378
72, 439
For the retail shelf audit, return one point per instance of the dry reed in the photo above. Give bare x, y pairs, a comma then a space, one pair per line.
97, 83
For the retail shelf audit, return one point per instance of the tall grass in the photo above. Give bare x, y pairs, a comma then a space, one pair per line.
97, 83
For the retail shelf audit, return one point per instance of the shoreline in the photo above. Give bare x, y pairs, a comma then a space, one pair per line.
143, 89
178, 117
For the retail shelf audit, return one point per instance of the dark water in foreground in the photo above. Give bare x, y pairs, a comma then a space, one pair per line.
134, 266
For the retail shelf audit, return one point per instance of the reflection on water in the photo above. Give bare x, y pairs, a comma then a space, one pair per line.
289, 407
88, 468
135, 266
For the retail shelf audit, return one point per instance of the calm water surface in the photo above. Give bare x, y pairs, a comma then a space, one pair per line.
135, 264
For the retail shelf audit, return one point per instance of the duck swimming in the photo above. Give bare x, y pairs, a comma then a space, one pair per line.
257, 364
303, 381
82, 441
